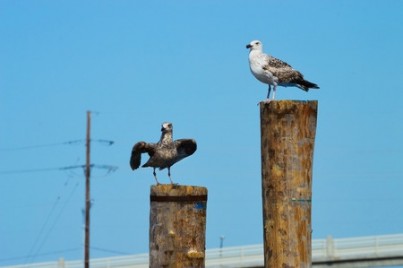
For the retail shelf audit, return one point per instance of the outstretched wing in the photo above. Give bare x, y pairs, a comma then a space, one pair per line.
138, 149
185, 148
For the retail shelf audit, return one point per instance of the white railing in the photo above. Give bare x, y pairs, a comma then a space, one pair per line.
357, 247
252, 256
247, 256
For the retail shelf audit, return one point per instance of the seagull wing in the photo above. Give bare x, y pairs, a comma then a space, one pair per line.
185, 148
276, 63
283, 71
138, 149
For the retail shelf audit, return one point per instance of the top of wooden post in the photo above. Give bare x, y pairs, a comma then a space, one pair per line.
177, 193
286, 105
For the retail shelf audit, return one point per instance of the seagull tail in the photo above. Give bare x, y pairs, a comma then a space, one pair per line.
306, 85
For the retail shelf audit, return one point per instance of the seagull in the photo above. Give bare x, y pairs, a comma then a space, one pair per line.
163, 154
274, 72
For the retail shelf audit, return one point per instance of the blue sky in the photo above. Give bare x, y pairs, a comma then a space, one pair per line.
137, 64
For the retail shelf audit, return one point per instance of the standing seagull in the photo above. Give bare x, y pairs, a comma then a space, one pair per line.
274, 72
164, 153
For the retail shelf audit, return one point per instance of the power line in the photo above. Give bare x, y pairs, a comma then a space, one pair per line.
42, 236
42, 145
110, 251
30, 253
16, 171
43, 254
110, 169
105, 142
46, 236
71, 142
45, 224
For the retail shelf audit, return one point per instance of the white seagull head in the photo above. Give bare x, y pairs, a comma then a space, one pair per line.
255, 45
166, 126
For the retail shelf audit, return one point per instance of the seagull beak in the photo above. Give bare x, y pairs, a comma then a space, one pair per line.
248, 46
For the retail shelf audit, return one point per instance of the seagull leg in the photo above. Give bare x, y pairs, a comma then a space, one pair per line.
268, 96
268, 91
274, 91
155, 177
169, 175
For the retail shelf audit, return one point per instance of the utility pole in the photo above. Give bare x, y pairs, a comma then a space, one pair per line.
87, 194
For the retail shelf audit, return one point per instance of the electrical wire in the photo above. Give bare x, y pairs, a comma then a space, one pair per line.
43, 235
71, 142
42, 145
109, 168
46, 236
42, 229
109, 251
17, 171
43, 254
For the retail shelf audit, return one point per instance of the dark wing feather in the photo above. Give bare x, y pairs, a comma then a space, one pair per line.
283, 71
276, 63
185, 148
287, 75
138, 149
306, 85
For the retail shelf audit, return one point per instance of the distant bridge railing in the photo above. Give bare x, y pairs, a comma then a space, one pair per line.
371, 251
378, 250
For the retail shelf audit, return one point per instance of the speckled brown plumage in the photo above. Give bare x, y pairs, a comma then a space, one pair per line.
163, 154
274, 72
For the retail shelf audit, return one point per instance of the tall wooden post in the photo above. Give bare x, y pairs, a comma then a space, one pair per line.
287, 143
177, 226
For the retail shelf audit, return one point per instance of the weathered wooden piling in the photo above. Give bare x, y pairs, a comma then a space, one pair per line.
177, 226
287, 142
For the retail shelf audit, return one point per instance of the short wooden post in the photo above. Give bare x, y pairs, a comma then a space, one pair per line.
177, 226
287, 141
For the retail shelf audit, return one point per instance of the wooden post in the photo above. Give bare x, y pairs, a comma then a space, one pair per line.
177, 226
287, 142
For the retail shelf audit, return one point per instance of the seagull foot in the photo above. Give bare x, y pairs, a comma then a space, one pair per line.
264, 101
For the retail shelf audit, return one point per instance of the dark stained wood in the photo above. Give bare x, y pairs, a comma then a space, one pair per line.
287, 143
177, 226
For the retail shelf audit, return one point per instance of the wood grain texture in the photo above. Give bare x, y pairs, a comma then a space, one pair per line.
177, 226
287, 143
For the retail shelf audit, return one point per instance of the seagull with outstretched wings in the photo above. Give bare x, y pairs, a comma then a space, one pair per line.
163, 154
